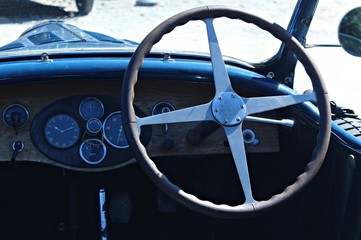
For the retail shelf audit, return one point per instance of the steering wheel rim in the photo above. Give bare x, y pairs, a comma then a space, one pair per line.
131, 121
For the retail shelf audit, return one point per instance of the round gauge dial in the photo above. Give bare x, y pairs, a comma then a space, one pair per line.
15, 116
92, 151
94, 125
113, 130
62, 131
91, 108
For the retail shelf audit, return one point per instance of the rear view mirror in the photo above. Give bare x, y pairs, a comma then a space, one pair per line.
349, 32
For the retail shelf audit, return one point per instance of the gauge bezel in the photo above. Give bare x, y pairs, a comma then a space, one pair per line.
98, 142
15, 105
160, 106
70, 158
81, 113
94, 120
67, 146
104, 131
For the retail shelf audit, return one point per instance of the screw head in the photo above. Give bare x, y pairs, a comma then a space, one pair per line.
238, 119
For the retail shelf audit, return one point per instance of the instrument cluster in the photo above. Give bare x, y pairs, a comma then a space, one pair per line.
84, 131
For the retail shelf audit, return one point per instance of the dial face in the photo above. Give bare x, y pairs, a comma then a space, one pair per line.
113, 130
91, 108
15, 116
92, 151
94, 125
62, 131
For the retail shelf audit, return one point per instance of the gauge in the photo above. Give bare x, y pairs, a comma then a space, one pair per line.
15, 116
94, 125
162, 107
92, 151
91, 107
62, 131
113, 130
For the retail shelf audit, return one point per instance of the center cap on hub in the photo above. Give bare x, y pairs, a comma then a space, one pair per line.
228, 109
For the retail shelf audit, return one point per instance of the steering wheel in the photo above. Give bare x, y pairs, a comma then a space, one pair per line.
228, 109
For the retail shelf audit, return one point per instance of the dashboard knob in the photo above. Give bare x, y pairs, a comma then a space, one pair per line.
167, 144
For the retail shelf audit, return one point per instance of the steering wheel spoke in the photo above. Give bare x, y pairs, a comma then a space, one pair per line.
236, 143
264, 104
220, 74
191, 114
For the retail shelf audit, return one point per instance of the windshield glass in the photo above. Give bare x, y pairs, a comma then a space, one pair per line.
126, 19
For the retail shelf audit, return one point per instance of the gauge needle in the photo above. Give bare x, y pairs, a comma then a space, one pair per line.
119, 135
58, 129
62, 131
68, 129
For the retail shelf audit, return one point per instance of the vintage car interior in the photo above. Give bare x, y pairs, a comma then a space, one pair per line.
144, 144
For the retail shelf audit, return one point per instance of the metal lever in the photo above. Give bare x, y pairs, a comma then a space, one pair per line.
165, 110
15, 117
17, 147
283, 122
103, 220
163, 107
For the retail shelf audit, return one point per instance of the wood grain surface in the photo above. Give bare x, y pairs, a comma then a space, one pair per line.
36, 96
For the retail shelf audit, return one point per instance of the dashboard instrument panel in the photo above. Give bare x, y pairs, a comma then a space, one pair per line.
61, 132
72, 127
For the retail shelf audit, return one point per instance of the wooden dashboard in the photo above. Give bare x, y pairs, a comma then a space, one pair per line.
163, 142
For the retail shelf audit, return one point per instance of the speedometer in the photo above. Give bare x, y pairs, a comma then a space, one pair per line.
113, 130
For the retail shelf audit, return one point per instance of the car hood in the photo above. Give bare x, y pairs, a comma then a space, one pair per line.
57, 36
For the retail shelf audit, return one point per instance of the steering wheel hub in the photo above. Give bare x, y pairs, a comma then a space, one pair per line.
228, 109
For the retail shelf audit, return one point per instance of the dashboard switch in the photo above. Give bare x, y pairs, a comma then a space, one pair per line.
163, 107
17, 147
15, 116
